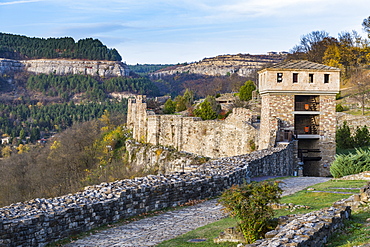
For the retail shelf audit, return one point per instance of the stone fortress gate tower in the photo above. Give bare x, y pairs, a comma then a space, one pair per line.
298, 102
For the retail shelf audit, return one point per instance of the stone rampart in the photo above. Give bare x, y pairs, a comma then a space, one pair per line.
65, 67
235, 135
311, 229
40, 221
352, 121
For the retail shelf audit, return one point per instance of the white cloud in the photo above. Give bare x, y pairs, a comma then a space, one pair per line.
20, 2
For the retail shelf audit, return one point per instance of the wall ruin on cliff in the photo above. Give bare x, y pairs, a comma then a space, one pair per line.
235, 135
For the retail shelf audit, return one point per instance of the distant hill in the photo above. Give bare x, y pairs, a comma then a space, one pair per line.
20, 47
240, 64
144, 69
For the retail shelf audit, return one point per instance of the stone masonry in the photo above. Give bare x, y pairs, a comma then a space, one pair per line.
212, 138
41, 221
298, 101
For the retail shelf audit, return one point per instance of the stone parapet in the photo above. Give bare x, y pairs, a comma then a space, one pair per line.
41, 221
311, 229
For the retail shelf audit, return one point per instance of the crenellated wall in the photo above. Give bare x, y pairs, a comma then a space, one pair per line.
212, 138
65, 67
41, 221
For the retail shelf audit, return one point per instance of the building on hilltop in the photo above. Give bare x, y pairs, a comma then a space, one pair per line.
298, 101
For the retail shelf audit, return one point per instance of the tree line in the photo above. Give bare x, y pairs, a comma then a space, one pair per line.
95, 89
145, 69
23, 47
35, 119
74, 158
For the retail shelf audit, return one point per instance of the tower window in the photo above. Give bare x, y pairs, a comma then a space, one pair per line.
326, 78
310, 77
279, 77
295, 77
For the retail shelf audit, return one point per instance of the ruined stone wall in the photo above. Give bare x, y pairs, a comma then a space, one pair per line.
311, 229
41, 221
65, 67
211, 138
352, 121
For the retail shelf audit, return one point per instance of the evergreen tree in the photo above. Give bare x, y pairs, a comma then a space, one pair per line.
343, 137
205, 111
169, 107
245, 92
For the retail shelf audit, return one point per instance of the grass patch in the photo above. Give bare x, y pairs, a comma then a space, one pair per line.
315, 200
355, 233
208, 232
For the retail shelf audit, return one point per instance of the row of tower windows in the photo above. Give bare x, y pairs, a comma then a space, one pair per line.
279, 78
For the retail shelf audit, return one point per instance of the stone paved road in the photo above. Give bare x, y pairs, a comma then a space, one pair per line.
153, 230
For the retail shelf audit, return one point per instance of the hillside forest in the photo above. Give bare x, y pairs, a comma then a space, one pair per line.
22, 47
56, 129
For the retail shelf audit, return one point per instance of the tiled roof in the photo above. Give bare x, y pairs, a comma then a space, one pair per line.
301, 64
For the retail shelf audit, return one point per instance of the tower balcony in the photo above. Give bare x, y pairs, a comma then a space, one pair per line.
306, 106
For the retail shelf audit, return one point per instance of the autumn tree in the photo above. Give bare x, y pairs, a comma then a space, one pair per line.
361, 87
366, 25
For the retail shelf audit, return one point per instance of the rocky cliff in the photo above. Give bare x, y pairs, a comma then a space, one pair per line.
241, 64
64, 67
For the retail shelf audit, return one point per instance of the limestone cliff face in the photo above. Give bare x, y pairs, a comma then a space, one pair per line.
64, 67
241, 64
8, 65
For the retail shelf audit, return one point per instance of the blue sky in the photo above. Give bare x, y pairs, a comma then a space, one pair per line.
177, 31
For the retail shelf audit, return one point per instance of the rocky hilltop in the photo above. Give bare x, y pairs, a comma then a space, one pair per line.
65, 66
241, 64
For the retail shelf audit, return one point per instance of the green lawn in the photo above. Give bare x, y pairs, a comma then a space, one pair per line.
315, 200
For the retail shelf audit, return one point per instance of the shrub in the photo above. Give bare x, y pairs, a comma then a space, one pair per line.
169, 107
343, 137
361, 137
205, 111
250, 204
245, 92
349, 164
339, 108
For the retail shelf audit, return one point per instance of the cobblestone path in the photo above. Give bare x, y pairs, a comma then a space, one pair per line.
153, 230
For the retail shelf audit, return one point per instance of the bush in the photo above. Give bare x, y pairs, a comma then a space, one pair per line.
245, 92
205, 111
250, 204
169, 107
361, 137
349, 164
343, 137
339, 108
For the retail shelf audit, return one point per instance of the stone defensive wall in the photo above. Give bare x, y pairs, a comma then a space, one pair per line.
65, 67
353, 122
212, 138
41, 221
